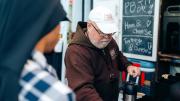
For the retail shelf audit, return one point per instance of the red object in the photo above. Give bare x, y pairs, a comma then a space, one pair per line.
142, 78
123, 76
142, 74
136, 64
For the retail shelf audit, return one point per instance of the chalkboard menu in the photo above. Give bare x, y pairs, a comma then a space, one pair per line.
137, 26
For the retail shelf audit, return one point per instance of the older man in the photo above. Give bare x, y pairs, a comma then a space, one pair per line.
93, 59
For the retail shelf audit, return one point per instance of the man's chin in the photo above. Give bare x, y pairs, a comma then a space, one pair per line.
102, 46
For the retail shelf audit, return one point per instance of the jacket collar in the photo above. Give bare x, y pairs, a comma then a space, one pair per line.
39, 58
80, 38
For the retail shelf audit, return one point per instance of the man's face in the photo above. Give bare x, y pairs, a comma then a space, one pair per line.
48, 42
52, 38
97, 37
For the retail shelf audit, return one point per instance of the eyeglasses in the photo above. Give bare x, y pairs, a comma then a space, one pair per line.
101, 33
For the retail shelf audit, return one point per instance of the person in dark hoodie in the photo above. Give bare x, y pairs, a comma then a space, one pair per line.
22, 24
39, 80
93, 59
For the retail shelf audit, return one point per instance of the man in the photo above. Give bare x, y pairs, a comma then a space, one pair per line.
93, 59
22, 24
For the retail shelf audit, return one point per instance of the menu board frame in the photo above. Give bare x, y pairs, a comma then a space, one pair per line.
155, 30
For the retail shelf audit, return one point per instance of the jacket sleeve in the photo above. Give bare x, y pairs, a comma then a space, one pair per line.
43, 82
79, 74
123, 63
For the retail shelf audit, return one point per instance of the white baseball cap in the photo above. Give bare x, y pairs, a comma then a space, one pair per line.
104, 19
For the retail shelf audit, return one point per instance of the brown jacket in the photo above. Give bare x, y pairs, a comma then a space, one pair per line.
91, 72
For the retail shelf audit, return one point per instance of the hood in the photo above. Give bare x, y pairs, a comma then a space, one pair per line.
80, 37
23, 23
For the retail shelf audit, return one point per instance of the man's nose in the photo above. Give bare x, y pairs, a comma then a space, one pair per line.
108, 35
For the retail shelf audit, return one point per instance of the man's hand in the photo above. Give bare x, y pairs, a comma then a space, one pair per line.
133, 70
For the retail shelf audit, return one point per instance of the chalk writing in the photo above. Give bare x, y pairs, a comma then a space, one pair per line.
137, 35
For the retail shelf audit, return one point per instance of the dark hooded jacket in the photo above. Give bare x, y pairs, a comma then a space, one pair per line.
22, 24
91, 72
